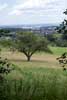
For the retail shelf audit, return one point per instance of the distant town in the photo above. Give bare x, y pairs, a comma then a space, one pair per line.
38, 28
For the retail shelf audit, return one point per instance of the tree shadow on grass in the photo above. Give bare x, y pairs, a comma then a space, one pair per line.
22, 60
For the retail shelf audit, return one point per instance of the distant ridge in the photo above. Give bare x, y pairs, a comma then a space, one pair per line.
28, 25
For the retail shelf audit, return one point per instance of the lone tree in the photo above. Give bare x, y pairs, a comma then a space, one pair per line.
29, 43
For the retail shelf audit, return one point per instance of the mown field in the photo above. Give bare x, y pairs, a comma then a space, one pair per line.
40, 79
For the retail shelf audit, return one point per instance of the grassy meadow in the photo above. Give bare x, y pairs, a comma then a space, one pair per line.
40, 79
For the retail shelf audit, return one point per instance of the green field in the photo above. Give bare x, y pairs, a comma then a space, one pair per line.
40, 79
58, 50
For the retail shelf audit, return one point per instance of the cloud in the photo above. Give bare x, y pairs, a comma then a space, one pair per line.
16, 12
32, 11
30, 5
3, 6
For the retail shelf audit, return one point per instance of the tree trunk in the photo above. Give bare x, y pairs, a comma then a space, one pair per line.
28, 58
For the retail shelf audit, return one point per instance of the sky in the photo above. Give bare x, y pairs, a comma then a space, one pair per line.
16, 12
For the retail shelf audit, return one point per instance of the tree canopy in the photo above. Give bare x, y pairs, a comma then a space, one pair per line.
29, 43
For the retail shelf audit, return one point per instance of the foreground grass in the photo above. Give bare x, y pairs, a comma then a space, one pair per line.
34, 84
40, 79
